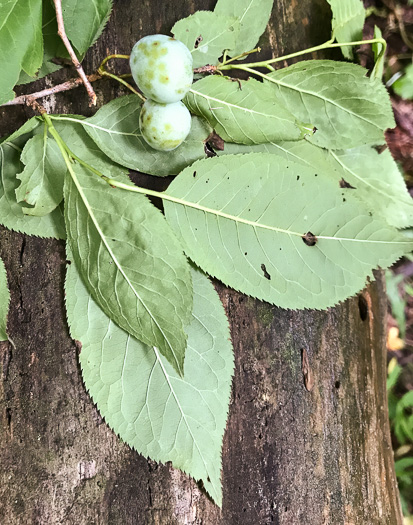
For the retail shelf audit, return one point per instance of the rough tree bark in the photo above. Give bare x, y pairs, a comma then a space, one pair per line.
290, 456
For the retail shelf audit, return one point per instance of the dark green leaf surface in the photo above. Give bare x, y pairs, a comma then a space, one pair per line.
115, 129
246, 112
348, 108
11, 213
252, 16
84, 21
41, 181
131, 262
142, 398
348, 22
278, 231
206, 34
21, 43
4, 302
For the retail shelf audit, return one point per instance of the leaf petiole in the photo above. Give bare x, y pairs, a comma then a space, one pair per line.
327, 45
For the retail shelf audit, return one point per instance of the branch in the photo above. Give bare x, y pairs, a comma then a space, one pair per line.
62, 33
66, 86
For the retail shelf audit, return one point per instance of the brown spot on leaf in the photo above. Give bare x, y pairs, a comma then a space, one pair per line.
198, 41
344, 184
266, 274
309, 239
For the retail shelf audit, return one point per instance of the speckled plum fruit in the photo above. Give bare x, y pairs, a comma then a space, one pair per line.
162, 68
164, 126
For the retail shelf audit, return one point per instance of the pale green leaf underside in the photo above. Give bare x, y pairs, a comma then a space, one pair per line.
347, 108
21, 44
375, 177
85, 20
159, 414
132, 263
209, 32
28, 127
4, 302
11, 213
42, 179
348, 22
242, 218
252, 16
245, 112
115, 129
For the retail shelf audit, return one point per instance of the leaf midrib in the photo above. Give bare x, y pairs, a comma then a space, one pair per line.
103, 238
180, 407
255, 224
317, 95
208, 97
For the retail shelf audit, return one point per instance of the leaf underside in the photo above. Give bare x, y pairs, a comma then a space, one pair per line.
374, 178
347, 108
132, 264
142, 398
115, 129
279, 231
206, 34
242, 112
11, 213
252, 17
4, 302
348, 22
41, 181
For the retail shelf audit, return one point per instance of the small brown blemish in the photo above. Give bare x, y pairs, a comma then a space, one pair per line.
306, 369
194, 174
198, 41
266, 274
344, 184
309, 239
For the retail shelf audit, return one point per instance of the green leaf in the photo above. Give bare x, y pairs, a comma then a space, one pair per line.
43, 175
115, 129
21, 44
347, 108
252, 16
79, 143
374, 178
244, 112
348, 22
378, 183
84, 21
378, 51
142, 398
132, 264
206, 35
11, 213
4, 302
28, 127
277, 230
404, 85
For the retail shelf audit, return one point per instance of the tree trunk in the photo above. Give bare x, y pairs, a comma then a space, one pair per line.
291, 455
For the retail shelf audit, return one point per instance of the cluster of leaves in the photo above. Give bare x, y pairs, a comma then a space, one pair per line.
297, 209
30, 47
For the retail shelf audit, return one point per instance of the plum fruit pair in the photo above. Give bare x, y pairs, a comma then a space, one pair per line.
162, 68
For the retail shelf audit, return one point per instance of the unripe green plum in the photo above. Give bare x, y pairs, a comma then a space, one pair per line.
164, 126
162, 68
